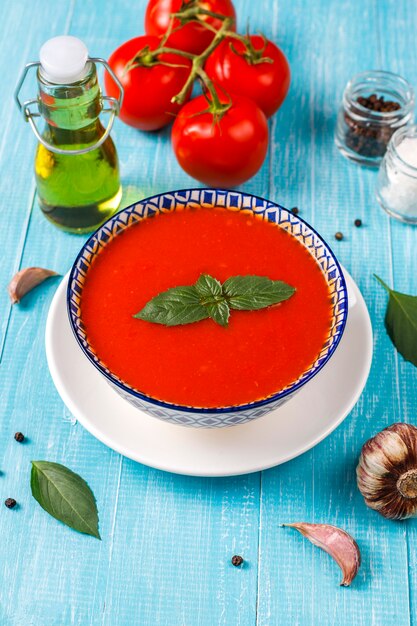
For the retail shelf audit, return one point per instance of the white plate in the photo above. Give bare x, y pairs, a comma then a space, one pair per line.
277, 437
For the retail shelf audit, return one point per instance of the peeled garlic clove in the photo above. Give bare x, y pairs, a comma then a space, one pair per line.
25, 280
387, 472
336, 542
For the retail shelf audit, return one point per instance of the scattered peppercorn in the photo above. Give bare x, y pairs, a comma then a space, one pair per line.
294, 210
237, 560
338, 236
19, 437
358, 223
10, 503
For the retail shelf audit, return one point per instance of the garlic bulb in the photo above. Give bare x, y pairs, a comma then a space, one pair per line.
387, 472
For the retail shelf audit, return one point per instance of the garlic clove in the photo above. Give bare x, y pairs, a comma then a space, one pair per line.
336, 542
25, 280
387, 472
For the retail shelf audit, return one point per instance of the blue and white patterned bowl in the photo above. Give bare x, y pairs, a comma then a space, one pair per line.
234, 201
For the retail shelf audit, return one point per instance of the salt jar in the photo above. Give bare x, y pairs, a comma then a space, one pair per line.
397, 179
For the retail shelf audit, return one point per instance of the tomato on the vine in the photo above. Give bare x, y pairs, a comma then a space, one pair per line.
192, 36
220, 152
148, 88
240, 69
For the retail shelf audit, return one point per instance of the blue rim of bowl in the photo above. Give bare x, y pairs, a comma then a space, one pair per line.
309, 375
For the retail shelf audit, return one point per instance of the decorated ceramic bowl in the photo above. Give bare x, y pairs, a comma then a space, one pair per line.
235, 201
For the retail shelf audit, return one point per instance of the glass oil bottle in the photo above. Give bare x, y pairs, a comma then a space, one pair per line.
76, 164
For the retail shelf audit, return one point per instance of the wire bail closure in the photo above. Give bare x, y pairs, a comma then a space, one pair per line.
28, 115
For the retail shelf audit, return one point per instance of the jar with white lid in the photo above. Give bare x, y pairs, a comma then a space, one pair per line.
397, 178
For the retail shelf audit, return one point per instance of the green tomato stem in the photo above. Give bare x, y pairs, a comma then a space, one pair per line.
198, 64
192, 13
149, 58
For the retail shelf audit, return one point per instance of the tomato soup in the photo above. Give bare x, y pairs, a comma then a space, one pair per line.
204, 364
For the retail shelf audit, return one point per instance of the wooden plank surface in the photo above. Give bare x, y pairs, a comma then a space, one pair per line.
167, 540
332, 192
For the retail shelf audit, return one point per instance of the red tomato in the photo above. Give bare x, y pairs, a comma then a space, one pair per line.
265, 83
148, 90
191, 37
225, 152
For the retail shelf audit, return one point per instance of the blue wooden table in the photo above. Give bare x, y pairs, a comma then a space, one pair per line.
167, 540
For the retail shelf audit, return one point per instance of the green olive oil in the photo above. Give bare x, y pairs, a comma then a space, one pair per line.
77, 192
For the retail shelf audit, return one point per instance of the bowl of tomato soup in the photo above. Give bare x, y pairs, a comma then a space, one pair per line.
203, 374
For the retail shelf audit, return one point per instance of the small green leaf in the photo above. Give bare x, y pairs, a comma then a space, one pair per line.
219, 312
211, 297
209, 288
65, 495
401, 322
179, 305
250, 293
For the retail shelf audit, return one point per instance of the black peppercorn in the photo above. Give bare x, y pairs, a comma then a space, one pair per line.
358, 223
365, 134
237, 560
10, 503
19, 437
294, 210
338, 236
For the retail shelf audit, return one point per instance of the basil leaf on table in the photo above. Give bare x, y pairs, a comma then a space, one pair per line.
66, 496
250, 293
179, 305
401, 322
209, 298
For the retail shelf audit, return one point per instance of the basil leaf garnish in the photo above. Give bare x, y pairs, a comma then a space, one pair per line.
65, 495
219, 312
249, 293
401, 322
209, 298
209, 288
179, 305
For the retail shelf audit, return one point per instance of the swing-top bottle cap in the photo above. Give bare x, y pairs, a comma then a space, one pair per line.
63, 60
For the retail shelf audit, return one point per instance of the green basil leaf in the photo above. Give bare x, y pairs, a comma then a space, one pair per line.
219, 312
401, 322
211, 296
250, 293
209, 288
208, 298
179, 305
66, 496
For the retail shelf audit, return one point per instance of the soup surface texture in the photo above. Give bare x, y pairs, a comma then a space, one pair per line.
204, 364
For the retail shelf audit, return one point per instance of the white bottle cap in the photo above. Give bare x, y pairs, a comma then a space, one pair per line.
63, 60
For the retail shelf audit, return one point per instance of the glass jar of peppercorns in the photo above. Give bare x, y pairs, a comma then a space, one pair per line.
374, 105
